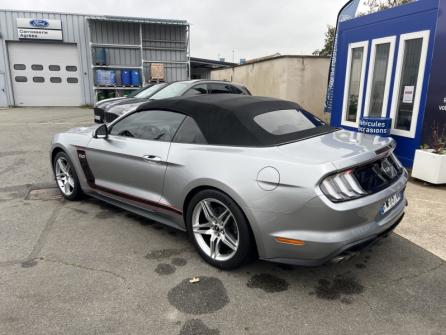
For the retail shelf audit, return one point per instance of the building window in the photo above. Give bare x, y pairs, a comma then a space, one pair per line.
54, 68
38, 79
55, 80
71, 68
21, 79
72, 80
37, 67
19, 67
380, 71
408, 82
354, 83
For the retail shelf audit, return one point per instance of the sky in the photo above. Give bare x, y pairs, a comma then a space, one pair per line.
229, 29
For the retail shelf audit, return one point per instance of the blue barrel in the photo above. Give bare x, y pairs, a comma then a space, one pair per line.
135, 78
100, 78
112, 77
105, 78
118, 78
100, 56
126, 78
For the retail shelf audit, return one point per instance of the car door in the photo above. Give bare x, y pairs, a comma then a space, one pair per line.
130, 164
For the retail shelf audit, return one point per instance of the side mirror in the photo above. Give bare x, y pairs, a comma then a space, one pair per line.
101, 131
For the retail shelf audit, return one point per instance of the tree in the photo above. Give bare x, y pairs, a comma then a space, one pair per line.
373, 6
377, 5
328, 44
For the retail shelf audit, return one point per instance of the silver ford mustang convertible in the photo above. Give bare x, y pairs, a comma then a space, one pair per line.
242, 175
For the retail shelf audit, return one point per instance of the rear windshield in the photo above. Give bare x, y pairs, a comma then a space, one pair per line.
285, 121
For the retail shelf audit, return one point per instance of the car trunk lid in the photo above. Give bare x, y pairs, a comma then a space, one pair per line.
341, 148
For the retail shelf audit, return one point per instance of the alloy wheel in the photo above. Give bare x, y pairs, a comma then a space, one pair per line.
215, 229
64, 176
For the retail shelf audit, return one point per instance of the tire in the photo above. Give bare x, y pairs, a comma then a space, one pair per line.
229, 232
74, 188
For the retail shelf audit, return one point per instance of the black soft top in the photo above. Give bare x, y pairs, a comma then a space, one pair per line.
228, 119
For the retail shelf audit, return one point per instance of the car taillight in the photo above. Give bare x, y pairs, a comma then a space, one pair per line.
342, 186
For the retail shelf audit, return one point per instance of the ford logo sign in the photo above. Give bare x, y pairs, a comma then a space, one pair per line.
39, 23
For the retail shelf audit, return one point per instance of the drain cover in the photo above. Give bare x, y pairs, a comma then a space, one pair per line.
44, 194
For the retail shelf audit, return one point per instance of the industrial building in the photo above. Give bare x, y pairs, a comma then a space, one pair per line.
60, 59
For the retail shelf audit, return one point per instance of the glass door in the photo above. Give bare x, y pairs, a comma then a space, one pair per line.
408, 82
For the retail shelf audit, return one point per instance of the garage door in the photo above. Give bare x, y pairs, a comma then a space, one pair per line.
45, 74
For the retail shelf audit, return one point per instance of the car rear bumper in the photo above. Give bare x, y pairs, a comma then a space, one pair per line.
339, 251
331, 232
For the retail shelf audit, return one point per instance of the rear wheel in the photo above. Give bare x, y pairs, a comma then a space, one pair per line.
218, 229
66, 177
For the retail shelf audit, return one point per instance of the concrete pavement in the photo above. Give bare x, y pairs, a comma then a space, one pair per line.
89, 268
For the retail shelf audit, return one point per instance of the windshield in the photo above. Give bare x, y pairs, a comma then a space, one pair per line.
170, 91
147, 92
135, 92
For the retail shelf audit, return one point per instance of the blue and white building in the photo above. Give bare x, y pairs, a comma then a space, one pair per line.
391, 64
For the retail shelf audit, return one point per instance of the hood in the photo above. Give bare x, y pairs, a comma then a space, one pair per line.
108, 102
126, 107
342, 148
83, 130
123, 102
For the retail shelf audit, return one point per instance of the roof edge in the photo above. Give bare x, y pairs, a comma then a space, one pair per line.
100, 16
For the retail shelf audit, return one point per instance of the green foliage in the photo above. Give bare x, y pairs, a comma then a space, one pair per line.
329, 42
438, 140
373, 6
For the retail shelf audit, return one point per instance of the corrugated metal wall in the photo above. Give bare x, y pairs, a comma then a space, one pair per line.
155, 43
74, 30
169, 45
144, 41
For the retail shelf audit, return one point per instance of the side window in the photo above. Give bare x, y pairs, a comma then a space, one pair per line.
19, 67
236, 90
189, 132
54, 68
149, 125
21, 79
354, 83
220, 88
196, 90
37, 67
38, 79
71, 68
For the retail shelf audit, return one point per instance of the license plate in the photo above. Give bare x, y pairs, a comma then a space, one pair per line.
391, 202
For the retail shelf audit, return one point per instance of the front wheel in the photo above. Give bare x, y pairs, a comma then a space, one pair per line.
66, 177
218, 229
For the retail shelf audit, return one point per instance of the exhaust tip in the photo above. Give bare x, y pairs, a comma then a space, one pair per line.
343, 257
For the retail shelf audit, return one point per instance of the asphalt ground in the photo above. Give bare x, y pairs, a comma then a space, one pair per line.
89, 268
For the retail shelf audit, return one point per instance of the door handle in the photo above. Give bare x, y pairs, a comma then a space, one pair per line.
152, 158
